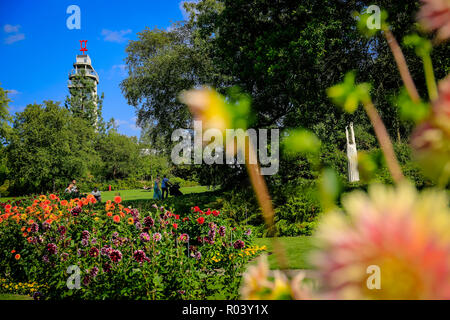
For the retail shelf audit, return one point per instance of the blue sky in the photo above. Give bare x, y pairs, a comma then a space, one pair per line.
37, 49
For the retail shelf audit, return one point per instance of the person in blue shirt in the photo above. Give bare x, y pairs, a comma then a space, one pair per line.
165, 187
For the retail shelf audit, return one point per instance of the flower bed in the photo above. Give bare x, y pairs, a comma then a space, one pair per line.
120, 253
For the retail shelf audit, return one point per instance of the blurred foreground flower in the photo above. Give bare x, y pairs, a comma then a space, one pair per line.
435, 15
259, 286
431, 139
206, 105
215, 111
404, 234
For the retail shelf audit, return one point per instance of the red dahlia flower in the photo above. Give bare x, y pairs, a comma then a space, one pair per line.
201, 220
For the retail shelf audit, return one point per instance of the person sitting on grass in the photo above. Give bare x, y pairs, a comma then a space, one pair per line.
74, 192
69, 188
97, 194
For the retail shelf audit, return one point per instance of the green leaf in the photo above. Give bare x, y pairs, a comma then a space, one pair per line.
409, 110
367, 22
421, 45
301, 141
347, 94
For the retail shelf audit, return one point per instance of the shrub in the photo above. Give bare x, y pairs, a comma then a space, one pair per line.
122, 253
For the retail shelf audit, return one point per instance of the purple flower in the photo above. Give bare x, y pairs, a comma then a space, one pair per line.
144, 236
34, 227
115, 234
86, 280
222, 231
94, 241
155, 206
37, 295
140, 256
81, 253
45, 258
107, 267
184, 237
85, 235
157, 236
105, 250
239, 244
45, 225
94, 252
212, 234
138, 225
115, 255
198, 255
248, 232
62, 230
94, 272
52, 248
84, 242
135, 214
76, 211
149, 222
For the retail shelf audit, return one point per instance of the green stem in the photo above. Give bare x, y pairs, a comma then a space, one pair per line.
429, 77
384, 140
401, 64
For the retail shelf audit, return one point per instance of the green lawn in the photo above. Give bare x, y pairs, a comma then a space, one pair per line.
14, 297
136, 194
140, 194
296, 249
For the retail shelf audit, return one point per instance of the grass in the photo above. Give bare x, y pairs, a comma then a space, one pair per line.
297, 249
134, 194
140, 194
14, 297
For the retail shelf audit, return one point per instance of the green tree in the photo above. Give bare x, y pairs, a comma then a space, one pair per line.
285, 54
83, 101
119, 154
4, 115
49, 147
162, 64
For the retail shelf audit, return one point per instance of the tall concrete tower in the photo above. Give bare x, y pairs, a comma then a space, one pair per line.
83, 67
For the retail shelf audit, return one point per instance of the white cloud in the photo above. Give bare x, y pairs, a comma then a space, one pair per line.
115, 72
121, 68
14, 109
12, 92
131, 124
14, 38
15, 35
115, 36
10, 28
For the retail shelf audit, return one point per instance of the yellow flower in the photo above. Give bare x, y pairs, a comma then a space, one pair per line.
209, 107
257, 284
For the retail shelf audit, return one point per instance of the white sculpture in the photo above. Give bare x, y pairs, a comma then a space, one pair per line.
352, 155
